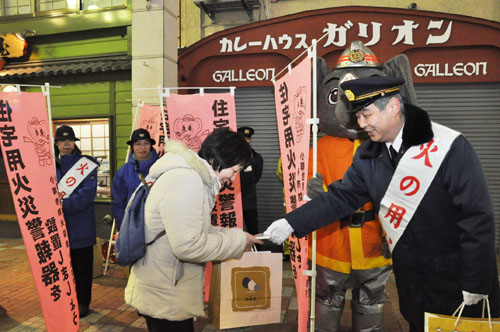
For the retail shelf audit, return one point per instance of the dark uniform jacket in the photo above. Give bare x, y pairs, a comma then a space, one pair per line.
449, 244
78, 208
249, 181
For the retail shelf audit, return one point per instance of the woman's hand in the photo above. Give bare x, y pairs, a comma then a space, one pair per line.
251, 240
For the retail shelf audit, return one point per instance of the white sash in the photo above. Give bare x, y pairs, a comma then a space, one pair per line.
413, 176
76, 174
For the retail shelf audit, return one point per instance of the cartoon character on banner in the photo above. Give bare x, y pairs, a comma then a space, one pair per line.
340, 266
151, 125
189, 130
299, 111
39, 136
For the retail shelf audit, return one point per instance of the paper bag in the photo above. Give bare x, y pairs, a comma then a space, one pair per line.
444, 323
246, 291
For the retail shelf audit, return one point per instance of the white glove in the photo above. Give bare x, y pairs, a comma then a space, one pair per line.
471, 299
279, 231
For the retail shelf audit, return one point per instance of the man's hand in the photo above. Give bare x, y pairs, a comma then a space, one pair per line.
471, 299
315, 186
279, 231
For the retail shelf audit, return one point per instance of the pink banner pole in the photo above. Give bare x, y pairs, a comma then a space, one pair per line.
162, 95
315, 121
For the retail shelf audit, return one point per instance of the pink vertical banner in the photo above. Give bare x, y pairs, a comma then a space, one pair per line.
150, 119
28, 156
190, 119
293, 107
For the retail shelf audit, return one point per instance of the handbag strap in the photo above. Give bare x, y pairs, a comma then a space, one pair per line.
460, 309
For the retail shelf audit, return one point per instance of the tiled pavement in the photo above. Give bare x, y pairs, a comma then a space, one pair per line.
20, 307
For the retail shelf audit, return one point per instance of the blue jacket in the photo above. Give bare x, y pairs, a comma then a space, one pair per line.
126, 181
78, 208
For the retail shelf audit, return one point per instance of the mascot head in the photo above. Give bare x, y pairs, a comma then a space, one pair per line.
357, 61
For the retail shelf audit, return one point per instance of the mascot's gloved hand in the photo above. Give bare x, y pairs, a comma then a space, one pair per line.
471, 299
279, 231
315, 186
385, 248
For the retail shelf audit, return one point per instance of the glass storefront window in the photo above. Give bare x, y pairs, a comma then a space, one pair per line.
94, 141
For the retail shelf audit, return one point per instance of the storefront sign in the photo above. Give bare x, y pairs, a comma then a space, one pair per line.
231, 75
12, 45
442, 48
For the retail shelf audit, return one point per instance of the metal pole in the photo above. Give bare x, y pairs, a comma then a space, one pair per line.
315, 169
46, 93
161, 94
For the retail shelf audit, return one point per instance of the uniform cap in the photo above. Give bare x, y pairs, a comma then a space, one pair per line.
364, 91
64, 133
246, 131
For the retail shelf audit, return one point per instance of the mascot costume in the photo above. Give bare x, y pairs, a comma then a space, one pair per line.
351, 253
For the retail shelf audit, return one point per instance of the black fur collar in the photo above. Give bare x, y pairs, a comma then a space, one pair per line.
417, 130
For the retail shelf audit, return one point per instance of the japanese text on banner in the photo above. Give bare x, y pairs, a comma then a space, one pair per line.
27, 153
293, 107
191, 119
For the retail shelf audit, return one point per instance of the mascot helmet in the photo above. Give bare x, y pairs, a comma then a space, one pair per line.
357, 55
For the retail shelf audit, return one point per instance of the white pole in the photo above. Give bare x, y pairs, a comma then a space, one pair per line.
190, 88
315, 169
162, 95
46, 93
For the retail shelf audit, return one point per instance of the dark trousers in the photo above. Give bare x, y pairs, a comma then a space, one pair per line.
82, 261
164, 325
251, 223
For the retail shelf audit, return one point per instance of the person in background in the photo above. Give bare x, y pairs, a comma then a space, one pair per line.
249, 178
166, 285
128, 176
428, 187
79, 213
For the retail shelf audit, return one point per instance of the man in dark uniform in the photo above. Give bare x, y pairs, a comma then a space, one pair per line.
249, 178
428, 187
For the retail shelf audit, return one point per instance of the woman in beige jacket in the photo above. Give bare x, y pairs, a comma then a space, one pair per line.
166, 285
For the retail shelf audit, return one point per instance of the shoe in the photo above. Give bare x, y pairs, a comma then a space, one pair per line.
84, 311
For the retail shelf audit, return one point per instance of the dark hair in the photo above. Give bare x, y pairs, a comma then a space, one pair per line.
224, 148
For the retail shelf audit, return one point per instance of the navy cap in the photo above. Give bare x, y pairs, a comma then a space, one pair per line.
139, 134
64, 133
364, 91
246, 131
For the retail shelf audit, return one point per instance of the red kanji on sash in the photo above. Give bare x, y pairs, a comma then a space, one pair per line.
70, 181
83, 167
407, 182
396, 213
426, 148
